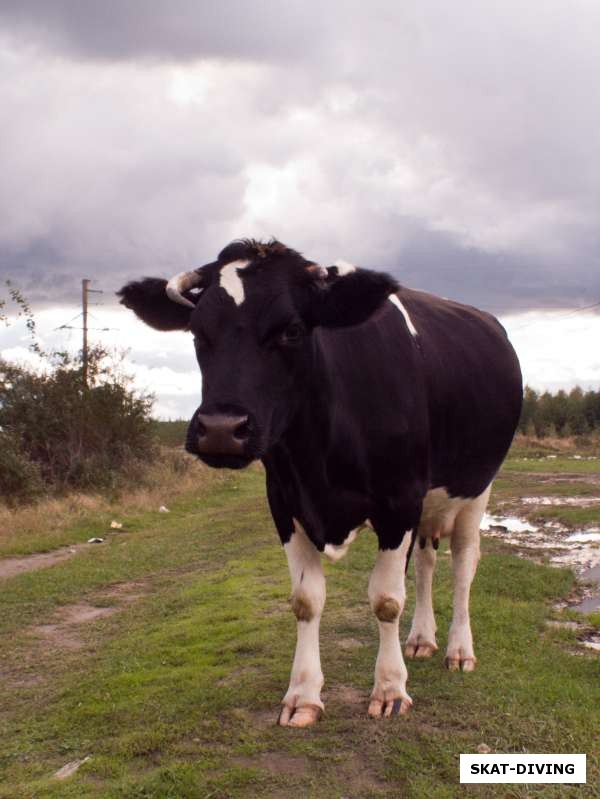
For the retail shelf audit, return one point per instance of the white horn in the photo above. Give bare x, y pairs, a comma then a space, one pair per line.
180, 283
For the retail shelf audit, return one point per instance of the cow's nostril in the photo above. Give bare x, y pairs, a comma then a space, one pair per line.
242, 431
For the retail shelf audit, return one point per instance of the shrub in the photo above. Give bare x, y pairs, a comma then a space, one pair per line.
70, 433
20, 478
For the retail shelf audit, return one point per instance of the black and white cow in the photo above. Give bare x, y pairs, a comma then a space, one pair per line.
368, 403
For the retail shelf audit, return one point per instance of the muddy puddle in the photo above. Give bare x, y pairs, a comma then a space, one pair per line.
562, 547
559, 546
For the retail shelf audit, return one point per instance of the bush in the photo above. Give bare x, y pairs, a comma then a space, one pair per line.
20, 478
69, 433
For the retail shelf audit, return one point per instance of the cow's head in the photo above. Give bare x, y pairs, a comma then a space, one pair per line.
252, 314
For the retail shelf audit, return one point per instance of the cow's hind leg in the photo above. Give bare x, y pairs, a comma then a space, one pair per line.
421, 641
464, 545
302, 703
387, 595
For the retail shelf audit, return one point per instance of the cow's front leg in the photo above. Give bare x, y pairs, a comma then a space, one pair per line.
302, 703
386, 595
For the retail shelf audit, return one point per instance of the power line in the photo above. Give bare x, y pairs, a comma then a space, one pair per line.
85, 292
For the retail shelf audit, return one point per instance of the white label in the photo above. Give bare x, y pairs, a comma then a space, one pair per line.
522, 768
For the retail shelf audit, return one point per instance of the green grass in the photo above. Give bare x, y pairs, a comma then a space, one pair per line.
570, 517
176, 694
560, 465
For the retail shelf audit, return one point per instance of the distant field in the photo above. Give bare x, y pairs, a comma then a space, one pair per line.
164, 652
171, 434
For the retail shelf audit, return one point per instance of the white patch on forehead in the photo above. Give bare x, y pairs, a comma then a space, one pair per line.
394, 299
232, 282
344, 268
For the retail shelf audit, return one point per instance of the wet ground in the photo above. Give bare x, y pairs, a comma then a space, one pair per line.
556, 544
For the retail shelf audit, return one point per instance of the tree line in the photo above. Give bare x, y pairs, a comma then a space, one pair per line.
576, 413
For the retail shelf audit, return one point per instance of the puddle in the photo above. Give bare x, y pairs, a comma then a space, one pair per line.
560, 547
592, 642
506, 524
578, 550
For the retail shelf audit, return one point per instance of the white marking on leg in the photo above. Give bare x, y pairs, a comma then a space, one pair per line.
232, 282
343, 267
393, 298
386, 595
335, 552
308, 600
421, 639
464, 545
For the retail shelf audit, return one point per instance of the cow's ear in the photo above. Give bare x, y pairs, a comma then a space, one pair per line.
148, 300
349, 296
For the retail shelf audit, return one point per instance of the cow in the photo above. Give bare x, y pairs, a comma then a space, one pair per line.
368, 403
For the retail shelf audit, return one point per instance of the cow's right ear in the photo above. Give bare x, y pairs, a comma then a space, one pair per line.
344, 295
149, 301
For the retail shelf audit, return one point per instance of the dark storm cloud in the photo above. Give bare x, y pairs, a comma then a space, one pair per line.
187, 29
451, 144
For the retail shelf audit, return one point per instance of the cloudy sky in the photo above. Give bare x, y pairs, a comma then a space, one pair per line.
452, 144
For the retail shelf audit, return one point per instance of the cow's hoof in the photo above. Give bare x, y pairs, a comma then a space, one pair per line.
460, 664
299, 716
419, 649
379, 709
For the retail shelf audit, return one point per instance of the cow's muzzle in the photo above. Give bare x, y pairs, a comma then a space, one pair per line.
221, 435
220, 439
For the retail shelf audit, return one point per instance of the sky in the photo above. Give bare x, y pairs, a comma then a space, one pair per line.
451, 144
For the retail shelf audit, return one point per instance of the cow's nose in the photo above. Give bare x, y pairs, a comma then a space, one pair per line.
222, 435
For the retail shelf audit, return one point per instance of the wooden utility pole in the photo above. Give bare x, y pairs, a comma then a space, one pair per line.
85, 287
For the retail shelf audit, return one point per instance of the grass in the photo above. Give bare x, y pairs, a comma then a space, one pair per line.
59, 521
175, 694
564, 465
570, 517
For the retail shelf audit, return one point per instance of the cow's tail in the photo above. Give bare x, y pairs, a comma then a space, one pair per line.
413, 538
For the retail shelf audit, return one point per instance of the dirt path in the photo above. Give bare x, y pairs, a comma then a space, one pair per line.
11, 567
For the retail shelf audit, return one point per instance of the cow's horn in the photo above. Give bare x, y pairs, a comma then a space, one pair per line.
180, 283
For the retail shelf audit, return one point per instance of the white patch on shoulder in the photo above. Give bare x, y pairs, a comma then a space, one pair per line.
395, 300
232, 282
344, 268
335, 552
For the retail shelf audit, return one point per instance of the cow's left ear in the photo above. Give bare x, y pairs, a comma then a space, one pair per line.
349, 296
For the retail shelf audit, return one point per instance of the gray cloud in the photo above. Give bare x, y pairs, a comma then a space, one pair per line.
457, 150
189, 30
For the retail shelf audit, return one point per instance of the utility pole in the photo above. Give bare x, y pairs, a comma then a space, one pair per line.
85, 291
85, 287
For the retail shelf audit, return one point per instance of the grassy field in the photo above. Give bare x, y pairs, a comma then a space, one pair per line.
163, 653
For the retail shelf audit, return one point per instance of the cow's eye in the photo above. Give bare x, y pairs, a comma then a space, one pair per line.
291, 335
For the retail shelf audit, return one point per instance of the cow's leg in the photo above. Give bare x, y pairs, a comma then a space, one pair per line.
464, 545
387, 595
302, 703
421, 641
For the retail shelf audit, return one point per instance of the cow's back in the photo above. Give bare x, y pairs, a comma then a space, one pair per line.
474, 390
